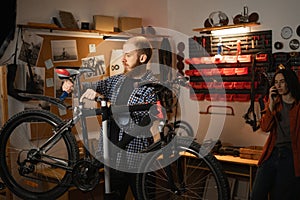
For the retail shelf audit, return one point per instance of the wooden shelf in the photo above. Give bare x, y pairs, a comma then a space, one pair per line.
232, 159
53, 27
209, 29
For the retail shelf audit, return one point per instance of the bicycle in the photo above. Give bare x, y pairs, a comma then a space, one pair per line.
45, 162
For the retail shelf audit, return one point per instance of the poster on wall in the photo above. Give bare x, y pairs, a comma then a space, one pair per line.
96, 63
30, 48
35, 80
64, 51
116, 65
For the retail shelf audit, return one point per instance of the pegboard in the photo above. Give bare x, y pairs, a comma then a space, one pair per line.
250, 43
228, 62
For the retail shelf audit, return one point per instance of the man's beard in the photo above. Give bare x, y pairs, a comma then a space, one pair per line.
137, 71
137, 63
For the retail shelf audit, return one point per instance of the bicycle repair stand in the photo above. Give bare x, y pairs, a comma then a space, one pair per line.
109, 195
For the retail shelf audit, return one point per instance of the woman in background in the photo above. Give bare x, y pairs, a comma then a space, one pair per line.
278, 173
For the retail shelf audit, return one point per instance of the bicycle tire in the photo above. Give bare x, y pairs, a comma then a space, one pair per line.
20, 135
183, 128
203, 175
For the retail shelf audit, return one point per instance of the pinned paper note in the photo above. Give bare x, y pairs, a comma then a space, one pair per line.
116, 65
49, 64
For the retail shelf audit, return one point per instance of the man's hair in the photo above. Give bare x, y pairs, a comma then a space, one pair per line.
291, 80
143, 46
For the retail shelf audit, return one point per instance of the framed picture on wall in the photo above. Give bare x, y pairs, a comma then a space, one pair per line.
97, 63
64, 51
30, 48
116, 65
35, 80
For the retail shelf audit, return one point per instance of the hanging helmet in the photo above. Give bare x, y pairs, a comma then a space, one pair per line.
218, 18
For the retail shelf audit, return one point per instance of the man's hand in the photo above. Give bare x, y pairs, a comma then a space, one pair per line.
89, 94
155, 130
67, 86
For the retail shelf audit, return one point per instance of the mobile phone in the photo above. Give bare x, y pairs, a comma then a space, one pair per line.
275, 93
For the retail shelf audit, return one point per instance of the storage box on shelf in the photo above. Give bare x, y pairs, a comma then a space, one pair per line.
127, 23
104, 23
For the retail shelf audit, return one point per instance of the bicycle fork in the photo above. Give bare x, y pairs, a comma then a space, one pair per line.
180, 189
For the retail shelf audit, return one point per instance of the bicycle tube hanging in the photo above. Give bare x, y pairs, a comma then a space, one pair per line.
252, 121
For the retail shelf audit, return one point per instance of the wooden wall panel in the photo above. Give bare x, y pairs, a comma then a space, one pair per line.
3, 95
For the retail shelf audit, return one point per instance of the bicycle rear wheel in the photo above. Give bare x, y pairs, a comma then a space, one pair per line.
193, 175
28, 172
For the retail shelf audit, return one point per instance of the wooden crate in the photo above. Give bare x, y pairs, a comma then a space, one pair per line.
252, 152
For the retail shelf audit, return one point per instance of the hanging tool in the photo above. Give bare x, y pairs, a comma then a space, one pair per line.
225, 108
238, 48
247, 46
252, 120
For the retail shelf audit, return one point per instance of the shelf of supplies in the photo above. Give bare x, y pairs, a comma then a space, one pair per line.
96, 33
209, 29
53, 27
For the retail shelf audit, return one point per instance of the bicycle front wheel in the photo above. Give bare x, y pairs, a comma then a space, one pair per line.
183, 128
27, 171
192, 175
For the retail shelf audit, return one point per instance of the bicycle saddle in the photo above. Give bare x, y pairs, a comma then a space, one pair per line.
66, 72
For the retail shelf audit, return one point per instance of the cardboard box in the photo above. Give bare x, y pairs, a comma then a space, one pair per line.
104, 23
127, 23
252, 152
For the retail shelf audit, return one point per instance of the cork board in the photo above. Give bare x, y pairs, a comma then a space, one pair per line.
82, 43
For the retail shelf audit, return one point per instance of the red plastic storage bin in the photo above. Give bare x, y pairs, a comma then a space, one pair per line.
212, 97
206, 72
225, 97
218, 85
241, 97
229, 71
238, 85
197, 97
198, 85
241, 70
228, 85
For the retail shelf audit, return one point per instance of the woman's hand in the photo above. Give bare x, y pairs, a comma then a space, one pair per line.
272, 96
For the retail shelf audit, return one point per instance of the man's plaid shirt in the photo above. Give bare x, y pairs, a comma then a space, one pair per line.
110, 88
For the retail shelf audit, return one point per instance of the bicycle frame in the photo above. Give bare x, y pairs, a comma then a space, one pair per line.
80, 114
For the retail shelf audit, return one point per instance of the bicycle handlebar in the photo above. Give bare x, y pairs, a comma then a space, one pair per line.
123, 109
131, 108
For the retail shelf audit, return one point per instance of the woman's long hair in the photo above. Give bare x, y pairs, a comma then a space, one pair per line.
291, 80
